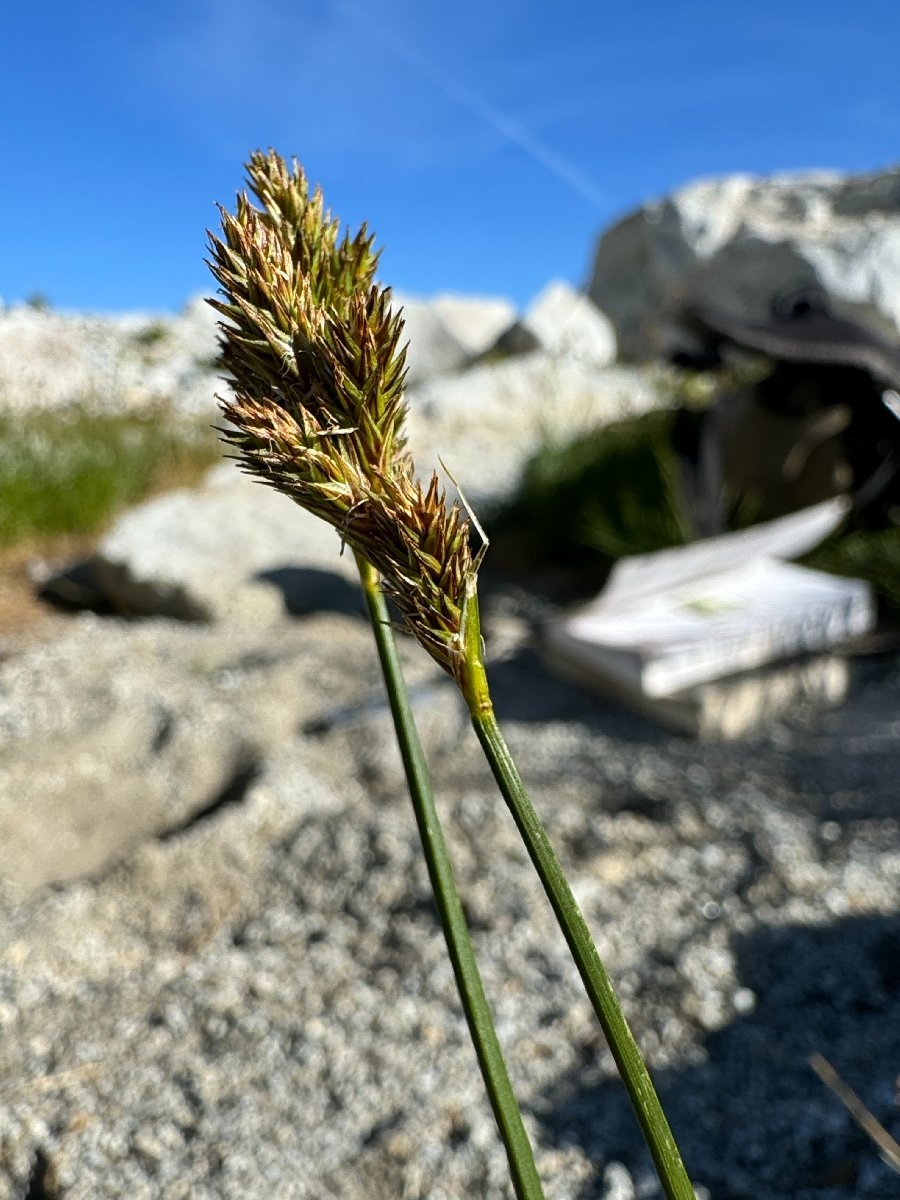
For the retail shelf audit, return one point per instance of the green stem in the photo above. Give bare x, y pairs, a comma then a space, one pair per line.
652, 1119
468, 979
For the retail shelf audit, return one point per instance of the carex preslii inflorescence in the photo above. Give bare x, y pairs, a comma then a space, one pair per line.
315, 356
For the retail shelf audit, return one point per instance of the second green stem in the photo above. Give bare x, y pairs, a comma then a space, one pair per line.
635, 1076
652, 1119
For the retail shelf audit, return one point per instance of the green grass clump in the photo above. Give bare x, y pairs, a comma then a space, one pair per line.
583, 503
613, 492
70, 471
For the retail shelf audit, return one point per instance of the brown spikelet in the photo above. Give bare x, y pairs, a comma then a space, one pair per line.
314, 355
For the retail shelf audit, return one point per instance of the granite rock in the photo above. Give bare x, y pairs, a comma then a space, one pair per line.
122, 731
486, 422
446, 332
133, 361
566, 324
231, 548
740, 244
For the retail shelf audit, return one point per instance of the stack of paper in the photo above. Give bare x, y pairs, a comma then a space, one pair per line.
670, 622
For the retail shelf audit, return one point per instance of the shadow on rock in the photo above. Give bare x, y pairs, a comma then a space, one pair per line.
524, 690
753, 1120
76, 588
108, 589
308, 590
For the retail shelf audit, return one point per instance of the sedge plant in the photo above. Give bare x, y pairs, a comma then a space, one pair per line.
315, 356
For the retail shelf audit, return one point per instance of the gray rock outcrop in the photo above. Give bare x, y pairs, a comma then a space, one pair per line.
564, 323
52, 359
446, 332
135, 361
215, 552
120, 732
741, 243
486, 422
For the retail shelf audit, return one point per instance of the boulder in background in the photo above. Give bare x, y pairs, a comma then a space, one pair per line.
742, 245
446, 332
223, 550
564, 323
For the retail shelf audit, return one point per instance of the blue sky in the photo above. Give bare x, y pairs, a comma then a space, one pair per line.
486, 143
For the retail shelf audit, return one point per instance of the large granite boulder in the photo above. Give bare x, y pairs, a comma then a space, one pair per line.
445, 333
743, 245
130, 361
123, 731
230, 548
138, 360
565, 323
485, 423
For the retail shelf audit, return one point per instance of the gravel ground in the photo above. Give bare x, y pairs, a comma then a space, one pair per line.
256, 1002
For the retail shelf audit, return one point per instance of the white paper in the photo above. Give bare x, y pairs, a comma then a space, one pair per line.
670, 620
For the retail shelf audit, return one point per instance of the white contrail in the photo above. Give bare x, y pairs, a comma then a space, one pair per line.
508, 128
